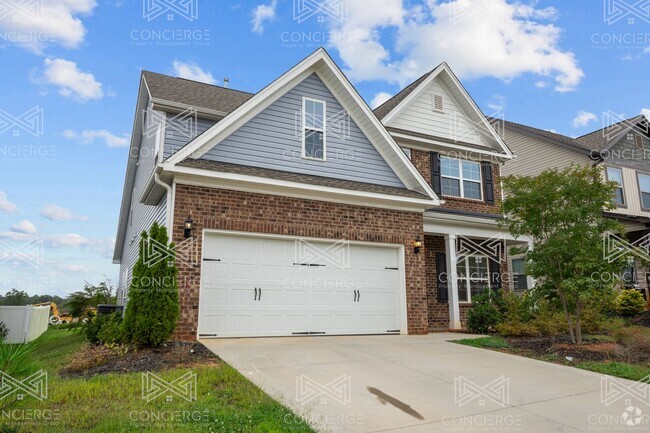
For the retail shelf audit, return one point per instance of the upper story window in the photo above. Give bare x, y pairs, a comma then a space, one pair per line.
313, 129
616, 175
460, 178
644, 186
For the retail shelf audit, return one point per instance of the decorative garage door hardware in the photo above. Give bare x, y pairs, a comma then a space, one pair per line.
357, 295
258, 294
211, 260
308, 333
392, 269
309, 264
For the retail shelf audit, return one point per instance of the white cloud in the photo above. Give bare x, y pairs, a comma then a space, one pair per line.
497, 103
646, 112
5, 205
72, 83
261, 14
103, 247
191, 71
88, 136
24, 227
478, 38
584, 118
379, 99
57, 213
75, 268
57, 23
646, 50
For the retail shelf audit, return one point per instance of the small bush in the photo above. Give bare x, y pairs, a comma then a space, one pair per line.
111, 330
630, 303
484, 314
4, 331
516, 328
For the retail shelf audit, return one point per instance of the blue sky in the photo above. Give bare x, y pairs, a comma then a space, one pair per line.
558, 65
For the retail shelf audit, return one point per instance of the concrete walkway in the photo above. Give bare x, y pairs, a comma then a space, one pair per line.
427, 384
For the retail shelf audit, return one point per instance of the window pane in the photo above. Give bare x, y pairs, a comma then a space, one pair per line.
472, 189
518, 266
462, 291
478, 288
615, 175
471, 170
450, 187
314, 144
449, 167
618, 196
461, 269
646, 200
644, 183
520, 281
478, 267
314, 114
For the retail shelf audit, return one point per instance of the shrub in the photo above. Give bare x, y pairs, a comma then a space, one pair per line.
516, 328
8, 429
630, 303
484, 314
16, 360
4, 331
153, 309
111, 330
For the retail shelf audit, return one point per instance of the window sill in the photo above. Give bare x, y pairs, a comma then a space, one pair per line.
472, 200
314, 159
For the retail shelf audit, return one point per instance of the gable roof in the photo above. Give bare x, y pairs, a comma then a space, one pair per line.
163, 88
392, 108
601, 140
326, 69
388, 106
552, 137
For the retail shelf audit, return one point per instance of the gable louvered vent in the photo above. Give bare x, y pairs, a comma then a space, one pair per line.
438, 104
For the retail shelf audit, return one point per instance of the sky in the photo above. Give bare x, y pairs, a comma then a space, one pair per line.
70, 75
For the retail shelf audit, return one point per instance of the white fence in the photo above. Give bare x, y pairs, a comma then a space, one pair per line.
24, 323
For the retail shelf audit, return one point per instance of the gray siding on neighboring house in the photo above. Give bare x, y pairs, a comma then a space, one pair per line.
534, 155
627, 154
143, 216
273, 140
176, 138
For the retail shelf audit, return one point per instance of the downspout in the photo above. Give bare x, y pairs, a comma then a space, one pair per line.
168, 217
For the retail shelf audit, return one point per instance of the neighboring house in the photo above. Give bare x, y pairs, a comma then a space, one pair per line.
308, 216
623, 149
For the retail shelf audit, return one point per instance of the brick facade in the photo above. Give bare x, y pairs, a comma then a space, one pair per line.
422, 161
260, 213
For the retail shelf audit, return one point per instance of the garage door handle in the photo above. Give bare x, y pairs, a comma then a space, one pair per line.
256, 293
358, 295
259, 297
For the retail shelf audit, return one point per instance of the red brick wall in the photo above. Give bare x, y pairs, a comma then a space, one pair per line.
260, 213
422, 161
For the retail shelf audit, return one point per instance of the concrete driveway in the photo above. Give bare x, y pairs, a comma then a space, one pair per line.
427, 384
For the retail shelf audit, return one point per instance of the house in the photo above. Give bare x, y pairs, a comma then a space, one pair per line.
622, 149
300, 211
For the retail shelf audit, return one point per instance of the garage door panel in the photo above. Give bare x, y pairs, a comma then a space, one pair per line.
296, 299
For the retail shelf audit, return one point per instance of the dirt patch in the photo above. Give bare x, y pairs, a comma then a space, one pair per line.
560, 349
94, 360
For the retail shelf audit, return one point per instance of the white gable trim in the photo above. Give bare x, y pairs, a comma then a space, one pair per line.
425, 84
320, 63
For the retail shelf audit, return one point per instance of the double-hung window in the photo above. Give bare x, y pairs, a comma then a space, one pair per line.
519, 277
473, 277
313, 129
460, 178
616, 175
644, 187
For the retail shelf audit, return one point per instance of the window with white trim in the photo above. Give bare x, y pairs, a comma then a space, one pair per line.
313, 129
407, 152
461, 178
644, 187
473, 277
616, 175
519, 277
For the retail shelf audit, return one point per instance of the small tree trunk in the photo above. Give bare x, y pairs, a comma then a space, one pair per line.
567, 314
578, 320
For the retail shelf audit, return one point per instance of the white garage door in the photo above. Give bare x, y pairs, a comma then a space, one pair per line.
267, 286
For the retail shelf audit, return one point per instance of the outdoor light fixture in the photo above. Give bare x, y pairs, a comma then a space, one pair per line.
417, 245
189, 225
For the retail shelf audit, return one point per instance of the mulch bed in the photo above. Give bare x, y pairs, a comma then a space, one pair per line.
94, 360
563, 349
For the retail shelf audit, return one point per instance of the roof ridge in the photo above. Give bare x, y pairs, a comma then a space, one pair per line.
613, 124
197, 82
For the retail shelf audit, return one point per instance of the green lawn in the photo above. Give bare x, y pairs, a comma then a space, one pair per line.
226, 401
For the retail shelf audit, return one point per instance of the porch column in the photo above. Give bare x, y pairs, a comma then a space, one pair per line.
452, 282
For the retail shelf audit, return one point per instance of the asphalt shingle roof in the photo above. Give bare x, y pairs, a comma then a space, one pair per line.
571, 142
598, 140
194, 93
388, 106
298, 177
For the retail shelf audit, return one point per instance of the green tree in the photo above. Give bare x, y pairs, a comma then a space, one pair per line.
90, 296
561, 212
153, 309
16, 298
